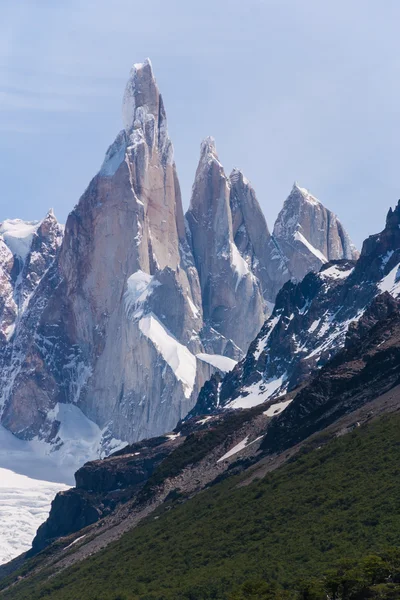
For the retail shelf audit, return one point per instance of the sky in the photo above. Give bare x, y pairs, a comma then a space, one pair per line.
290, 89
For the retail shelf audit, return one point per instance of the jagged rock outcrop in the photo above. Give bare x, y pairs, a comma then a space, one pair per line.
27, 250
253, 239
310, 322
366, 368
309, 235
229, 289
100, 486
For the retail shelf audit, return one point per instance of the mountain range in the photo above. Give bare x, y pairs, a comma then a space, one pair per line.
125, 313
227, 397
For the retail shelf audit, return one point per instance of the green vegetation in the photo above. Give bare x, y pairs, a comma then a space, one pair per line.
283, 537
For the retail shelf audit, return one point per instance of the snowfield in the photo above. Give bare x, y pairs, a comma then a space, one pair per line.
33, 472
24, 505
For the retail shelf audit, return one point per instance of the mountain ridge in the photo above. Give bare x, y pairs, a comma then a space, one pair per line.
137, 293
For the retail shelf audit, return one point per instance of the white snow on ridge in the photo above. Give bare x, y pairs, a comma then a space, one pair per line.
307, 195
391, 282
18, 234
263, 341
300, 238
258, 393
179, 358
334, 272
223, 363
24, 505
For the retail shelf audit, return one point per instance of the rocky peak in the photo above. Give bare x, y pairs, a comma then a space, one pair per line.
393, 217
310, 235
119, 315
252, 237
380, 254
143, 113
27, 249
228, 285
141, 92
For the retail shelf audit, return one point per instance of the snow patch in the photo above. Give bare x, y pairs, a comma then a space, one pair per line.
239, 264
334, 272
277, 408
75, 542
223, 363
240, 446
114, 157
140, 286
258, 393
391, 282
178, 357
314, 326
193, 308
203, 421
300, 238
263, 341
307, 196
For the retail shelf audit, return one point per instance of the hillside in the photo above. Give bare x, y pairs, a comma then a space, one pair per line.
339, 500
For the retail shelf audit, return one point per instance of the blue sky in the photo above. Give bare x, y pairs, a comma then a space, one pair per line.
291, 90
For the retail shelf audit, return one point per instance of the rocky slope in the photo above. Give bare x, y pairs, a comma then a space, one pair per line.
140, 305
309, 323
113, 495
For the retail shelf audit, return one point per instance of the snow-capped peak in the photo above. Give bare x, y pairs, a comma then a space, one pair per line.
306, 195
18, 235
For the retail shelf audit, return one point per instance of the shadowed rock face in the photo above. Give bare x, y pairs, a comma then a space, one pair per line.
361, 382
367, 367
311, 322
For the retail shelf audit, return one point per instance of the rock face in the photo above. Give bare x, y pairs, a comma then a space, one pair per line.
310, 322
27, 250
253, 239
133, 310
229, 289
100, 486
361, 382
309, 235
366, 368
125, 310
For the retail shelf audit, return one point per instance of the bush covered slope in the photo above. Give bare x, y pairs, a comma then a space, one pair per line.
340, 500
